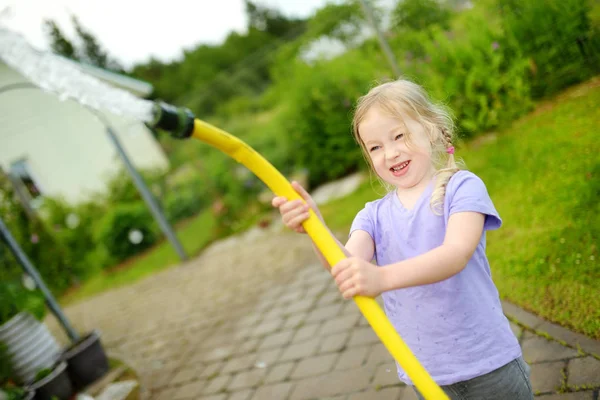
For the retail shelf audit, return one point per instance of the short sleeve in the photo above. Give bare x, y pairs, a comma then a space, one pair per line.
363, 221
467, 192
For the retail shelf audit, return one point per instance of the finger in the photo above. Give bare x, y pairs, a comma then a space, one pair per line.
293, 205
344, 275
292, 214
278, 201
349, 293
339, 267
301, 191
297, 221
347, 284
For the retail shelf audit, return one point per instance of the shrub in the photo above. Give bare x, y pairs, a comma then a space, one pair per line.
559, 39
318, 120
115, 227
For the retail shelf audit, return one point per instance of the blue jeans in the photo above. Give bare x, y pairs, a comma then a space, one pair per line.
510, 381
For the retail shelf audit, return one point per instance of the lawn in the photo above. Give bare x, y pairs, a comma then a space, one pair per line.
193, 234
543, 174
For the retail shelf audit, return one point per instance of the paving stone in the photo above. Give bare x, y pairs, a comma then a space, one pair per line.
213, 397
574, 339
211, 370
343, 323
332, 384
165, 394
537, 349
239, 363
279, 372
241, 395
584, 395
278, 339
391, 393
524, 317
324, 313
293, 321
361, 336
335, 342
306, 332
272, 392
378, 354
190, 390
217, 384
218, 354
185, 375
584, 371
267, 326
301, 350
268, 357
247, 346
247, 379
248, 320
352, 358
409, 394
386, 375
299, 306
314, 366
330, 297
517, 330
546, 377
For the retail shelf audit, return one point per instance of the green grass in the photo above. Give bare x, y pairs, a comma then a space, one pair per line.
543, 174
193, 234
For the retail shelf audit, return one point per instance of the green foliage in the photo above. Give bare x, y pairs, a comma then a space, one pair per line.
6, 371
318, 120
419, 15
58, 42
480, 74
15, 299
557, 37
116, 225
41, 374
37, 243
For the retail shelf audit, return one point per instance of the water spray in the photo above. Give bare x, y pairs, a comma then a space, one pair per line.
182, 124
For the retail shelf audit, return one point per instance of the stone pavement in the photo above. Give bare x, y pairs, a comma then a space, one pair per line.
254, 317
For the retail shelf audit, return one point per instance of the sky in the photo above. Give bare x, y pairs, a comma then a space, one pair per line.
132, 31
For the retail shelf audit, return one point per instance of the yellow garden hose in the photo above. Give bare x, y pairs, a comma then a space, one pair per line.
247, 156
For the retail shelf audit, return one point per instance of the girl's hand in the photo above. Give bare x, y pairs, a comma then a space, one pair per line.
295, 212
355, 276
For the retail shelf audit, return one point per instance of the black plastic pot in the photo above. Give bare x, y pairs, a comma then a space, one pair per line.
56, 385
86, 361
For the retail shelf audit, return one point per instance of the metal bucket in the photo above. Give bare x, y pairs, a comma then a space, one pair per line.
31, 347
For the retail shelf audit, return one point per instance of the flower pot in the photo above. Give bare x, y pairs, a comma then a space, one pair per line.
56, 385
30, 346
86, 360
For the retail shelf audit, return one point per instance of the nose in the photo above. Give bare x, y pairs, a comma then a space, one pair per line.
392, 152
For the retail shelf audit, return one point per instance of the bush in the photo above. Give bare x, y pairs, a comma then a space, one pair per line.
16, 299
558, 38
115, 227
320, 99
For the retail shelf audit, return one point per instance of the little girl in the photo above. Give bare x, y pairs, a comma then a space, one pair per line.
427, 236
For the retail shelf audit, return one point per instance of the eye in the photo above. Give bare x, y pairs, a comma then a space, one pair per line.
373, 148
399, 136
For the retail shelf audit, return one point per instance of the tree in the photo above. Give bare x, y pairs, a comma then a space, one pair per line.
89, 51
421, 14
58, 42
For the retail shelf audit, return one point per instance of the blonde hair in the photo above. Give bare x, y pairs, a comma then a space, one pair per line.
403, 97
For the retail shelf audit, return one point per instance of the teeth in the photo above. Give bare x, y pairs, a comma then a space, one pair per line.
399, 167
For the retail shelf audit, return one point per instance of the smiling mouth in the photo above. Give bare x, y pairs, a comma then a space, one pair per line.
400, 167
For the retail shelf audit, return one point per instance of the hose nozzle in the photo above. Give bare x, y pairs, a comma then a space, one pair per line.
178, 121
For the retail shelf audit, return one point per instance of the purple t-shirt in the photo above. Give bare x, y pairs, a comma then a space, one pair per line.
456, 327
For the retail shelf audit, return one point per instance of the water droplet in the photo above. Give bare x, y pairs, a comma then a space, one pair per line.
388, 370
260, 364
136, 236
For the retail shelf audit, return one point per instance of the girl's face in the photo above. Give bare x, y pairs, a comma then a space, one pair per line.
394, 161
